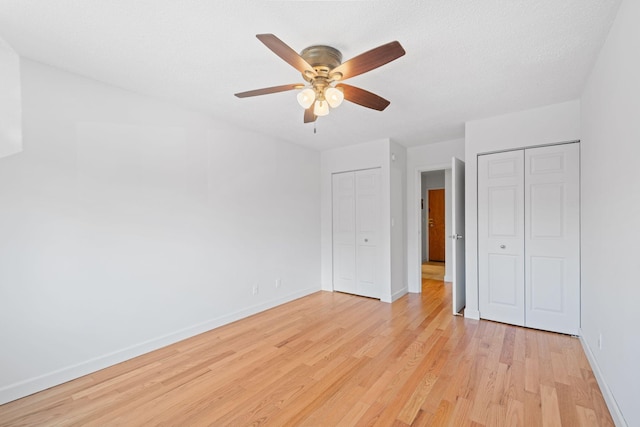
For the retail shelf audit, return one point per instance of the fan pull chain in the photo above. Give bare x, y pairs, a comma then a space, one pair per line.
314, 128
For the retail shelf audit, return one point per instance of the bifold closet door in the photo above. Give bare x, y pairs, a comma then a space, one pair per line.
501, 237
529, 237
552, 238
357, 232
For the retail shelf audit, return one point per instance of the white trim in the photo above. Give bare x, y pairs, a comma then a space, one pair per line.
402, 292
448, 278
616, 414
42, 382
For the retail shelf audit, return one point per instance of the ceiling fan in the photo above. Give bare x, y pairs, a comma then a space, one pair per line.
322, 66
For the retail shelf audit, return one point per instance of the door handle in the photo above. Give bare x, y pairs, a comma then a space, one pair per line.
456, 236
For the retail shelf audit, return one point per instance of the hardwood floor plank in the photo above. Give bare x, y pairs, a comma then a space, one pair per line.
515, 413
587, 417
515, 382
568, 414
560, 368
532, 409
519, 346
443, 413
423, 419
496, 415
550, 406
460, 414
598, 405
338, 359
532, 375
482, 400
352, 416
508, 346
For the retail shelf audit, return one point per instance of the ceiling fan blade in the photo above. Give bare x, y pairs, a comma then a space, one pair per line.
281, 49
268, 90
309, 116
363, 97
369, 60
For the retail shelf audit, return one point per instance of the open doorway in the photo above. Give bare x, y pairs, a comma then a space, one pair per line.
454, 269
435, 194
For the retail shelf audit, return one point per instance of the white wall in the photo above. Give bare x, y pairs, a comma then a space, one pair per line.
423, 158
547, 125
432, 179
610, 150
127, 224
10, 101
398, 169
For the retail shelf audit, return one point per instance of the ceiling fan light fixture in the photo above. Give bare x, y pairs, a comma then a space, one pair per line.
321, 108
334, 96
321, 67
306, 98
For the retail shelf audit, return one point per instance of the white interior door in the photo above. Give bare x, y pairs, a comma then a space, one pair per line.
356, 232
552, 238
344, 229
457, 235
501, 237
368, 233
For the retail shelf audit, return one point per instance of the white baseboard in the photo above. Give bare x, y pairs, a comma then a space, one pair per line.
616, 414
448, 278
33, 385
398, 294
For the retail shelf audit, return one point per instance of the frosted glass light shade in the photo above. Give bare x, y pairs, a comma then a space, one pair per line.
306, 98
321, 108
333, 96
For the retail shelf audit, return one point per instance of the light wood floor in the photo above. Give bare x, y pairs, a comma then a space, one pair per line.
333, 359
433, 270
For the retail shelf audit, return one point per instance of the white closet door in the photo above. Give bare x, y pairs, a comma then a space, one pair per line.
501, 237
368, 226
357, 232
552, 241
344, 237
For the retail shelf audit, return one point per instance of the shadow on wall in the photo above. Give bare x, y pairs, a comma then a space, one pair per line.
10, 101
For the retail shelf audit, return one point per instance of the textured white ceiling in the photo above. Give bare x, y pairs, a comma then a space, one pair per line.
466, 59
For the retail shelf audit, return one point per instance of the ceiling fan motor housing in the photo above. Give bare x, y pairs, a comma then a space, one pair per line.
322, 58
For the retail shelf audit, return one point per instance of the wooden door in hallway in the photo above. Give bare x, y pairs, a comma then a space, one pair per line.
436, 220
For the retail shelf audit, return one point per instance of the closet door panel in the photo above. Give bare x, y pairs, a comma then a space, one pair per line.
501, 237
344, 227
552, 241
368, 255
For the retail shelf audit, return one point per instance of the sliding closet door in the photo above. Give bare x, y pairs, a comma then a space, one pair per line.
501, 237
552, 241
